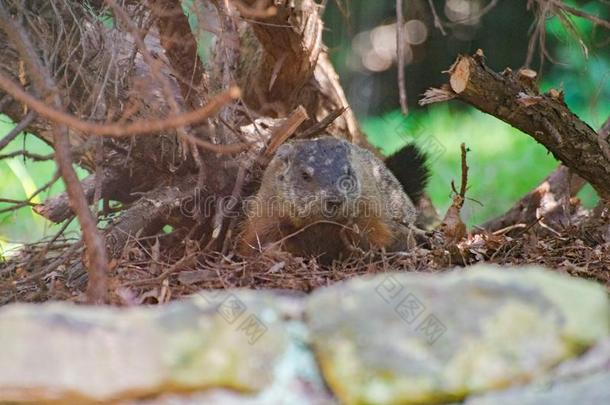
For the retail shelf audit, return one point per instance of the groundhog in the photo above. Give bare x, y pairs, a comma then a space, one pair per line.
329, 198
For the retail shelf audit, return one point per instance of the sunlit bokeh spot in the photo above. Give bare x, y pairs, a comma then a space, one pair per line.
416, 32
463, 11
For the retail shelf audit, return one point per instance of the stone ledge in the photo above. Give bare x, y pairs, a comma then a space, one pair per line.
482, 335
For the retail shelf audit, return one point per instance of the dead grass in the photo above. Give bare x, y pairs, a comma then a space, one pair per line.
141, 277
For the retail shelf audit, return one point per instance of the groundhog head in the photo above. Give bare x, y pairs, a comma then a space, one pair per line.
317, 178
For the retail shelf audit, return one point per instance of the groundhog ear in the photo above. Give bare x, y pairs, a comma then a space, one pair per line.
283, 152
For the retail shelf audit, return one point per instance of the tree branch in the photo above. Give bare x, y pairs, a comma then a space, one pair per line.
97, 262
400, 47
181, 50
514, 98
292, 41
22, 125
118, 130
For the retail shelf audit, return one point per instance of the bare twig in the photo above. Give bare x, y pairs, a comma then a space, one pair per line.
464, 183
460, 196
25, 122
12, 201
33, 156
400, 47
549, 8
141, 127
27, 202
322, 125
97, 261
286, 129
579, 13
437, 21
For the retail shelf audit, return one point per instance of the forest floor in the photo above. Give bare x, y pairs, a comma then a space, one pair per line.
159, 270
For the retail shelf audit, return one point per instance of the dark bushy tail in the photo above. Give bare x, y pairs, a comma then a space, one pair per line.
409, 166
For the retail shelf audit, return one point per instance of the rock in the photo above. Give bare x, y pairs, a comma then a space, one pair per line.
484, 335
582, 380
78, 354
297, 381
421, 338
586, 390
595, 360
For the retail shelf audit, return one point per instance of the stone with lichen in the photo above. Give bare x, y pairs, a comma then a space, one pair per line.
410, 338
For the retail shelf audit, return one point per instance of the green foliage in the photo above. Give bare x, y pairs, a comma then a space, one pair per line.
19, 179
504, 163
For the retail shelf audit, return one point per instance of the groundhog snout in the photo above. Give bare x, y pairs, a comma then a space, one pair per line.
333, 203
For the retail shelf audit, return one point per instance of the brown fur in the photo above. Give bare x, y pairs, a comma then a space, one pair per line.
372, 211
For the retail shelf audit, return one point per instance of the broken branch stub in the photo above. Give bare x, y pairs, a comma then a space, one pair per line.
514, 98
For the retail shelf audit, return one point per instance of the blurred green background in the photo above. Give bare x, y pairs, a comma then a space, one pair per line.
504, 163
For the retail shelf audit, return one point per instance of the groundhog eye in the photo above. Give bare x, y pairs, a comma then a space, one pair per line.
305, 175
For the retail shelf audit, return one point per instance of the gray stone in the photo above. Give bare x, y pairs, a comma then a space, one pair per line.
297, 381
595, 360
484, 335
586, 390
420, 338
69, 353
581, 380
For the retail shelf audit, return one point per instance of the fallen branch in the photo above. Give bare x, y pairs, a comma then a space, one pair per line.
113, 186
548, 202
513, 97
151, 212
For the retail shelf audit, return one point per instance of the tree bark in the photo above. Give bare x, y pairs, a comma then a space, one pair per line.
285, 64
514, 98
